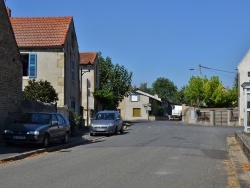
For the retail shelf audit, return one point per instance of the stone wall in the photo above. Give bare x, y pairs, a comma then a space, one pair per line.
211, 116
10, 71
36, 106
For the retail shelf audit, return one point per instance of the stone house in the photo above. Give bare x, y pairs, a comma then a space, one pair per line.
49, 50
10, 71
137, 105
90, 81
243, 76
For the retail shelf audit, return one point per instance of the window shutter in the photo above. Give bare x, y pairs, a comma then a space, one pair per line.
32, 65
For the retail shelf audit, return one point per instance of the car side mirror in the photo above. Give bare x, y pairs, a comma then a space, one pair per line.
54, 123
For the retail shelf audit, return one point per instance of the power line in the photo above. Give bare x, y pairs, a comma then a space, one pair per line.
216, 69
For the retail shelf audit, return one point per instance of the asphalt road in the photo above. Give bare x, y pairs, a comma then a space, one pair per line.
148, 155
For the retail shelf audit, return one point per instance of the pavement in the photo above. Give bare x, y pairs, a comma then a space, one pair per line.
21, 151
238, 148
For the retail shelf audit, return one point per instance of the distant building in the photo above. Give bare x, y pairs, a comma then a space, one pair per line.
137, 105
10, 71
90, 81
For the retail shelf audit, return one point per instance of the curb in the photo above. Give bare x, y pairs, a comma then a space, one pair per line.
50, 149
244, 142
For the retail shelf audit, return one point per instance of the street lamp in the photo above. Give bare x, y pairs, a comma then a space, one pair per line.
199, 68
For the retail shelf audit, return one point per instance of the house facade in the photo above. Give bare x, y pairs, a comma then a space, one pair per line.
243, 76
10, 72
49, 51
137, 106
90, 81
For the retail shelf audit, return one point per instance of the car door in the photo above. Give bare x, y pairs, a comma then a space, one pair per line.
119, 121
54, 128
61, 126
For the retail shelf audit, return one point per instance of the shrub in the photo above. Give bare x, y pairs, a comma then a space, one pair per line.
74, 120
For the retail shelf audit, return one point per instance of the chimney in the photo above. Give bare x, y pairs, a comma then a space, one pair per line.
8, 11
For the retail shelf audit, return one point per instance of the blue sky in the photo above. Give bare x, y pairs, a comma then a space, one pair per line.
160, 38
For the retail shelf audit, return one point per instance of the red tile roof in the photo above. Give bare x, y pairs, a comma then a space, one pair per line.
86, 57
40, 31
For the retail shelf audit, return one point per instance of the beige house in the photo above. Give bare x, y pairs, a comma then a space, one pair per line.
10, 72
49, 50
90, 80
137, 105
244, 76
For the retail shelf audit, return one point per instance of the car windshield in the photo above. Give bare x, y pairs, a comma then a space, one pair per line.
35, 118
104, 116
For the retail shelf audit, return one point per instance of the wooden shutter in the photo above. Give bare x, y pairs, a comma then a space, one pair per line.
136, 112
32, 65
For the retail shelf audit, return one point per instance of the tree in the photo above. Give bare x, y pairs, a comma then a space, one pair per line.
214, 95
157, 110
165, 89
194, 91
210, 92
40, 90
115, 82
144, 87
180, 96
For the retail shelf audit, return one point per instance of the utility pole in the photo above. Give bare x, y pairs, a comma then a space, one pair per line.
87, 89
199, 68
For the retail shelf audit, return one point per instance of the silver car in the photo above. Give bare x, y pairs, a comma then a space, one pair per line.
106, 122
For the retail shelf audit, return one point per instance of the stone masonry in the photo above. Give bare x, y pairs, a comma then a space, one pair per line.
10, 71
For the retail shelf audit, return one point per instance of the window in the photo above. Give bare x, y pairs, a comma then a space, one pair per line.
54, 119
134, 97
29, 62
136, 112
248, 74
60, 119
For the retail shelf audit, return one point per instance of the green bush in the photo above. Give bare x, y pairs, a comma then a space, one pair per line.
75, 121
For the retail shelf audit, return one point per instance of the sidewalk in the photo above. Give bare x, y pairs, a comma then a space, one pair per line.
239, 153
21, 151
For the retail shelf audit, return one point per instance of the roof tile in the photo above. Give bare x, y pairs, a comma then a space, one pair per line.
40, 31
86, 57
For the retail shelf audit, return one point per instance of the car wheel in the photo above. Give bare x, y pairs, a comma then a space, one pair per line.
116, 130
66, 138
46, 141
122, 130
91, 134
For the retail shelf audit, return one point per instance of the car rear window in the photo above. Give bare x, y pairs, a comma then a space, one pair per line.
104, 116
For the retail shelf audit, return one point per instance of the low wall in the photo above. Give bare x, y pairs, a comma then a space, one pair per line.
210, 116
36, 106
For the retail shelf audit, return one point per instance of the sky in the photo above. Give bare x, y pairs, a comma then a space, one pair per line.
160, 38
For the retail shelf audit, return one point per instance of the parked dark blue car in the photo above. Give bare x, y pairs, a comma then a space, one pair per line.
37, 127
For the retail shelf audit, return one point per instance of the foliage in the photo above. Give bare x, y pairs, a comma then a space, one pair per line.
165, 89
156, 109
180, 96
115, 82
209, 92
144, 87
214, 95
233, 97
194, 92
40, 90
236, 81
74, 120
